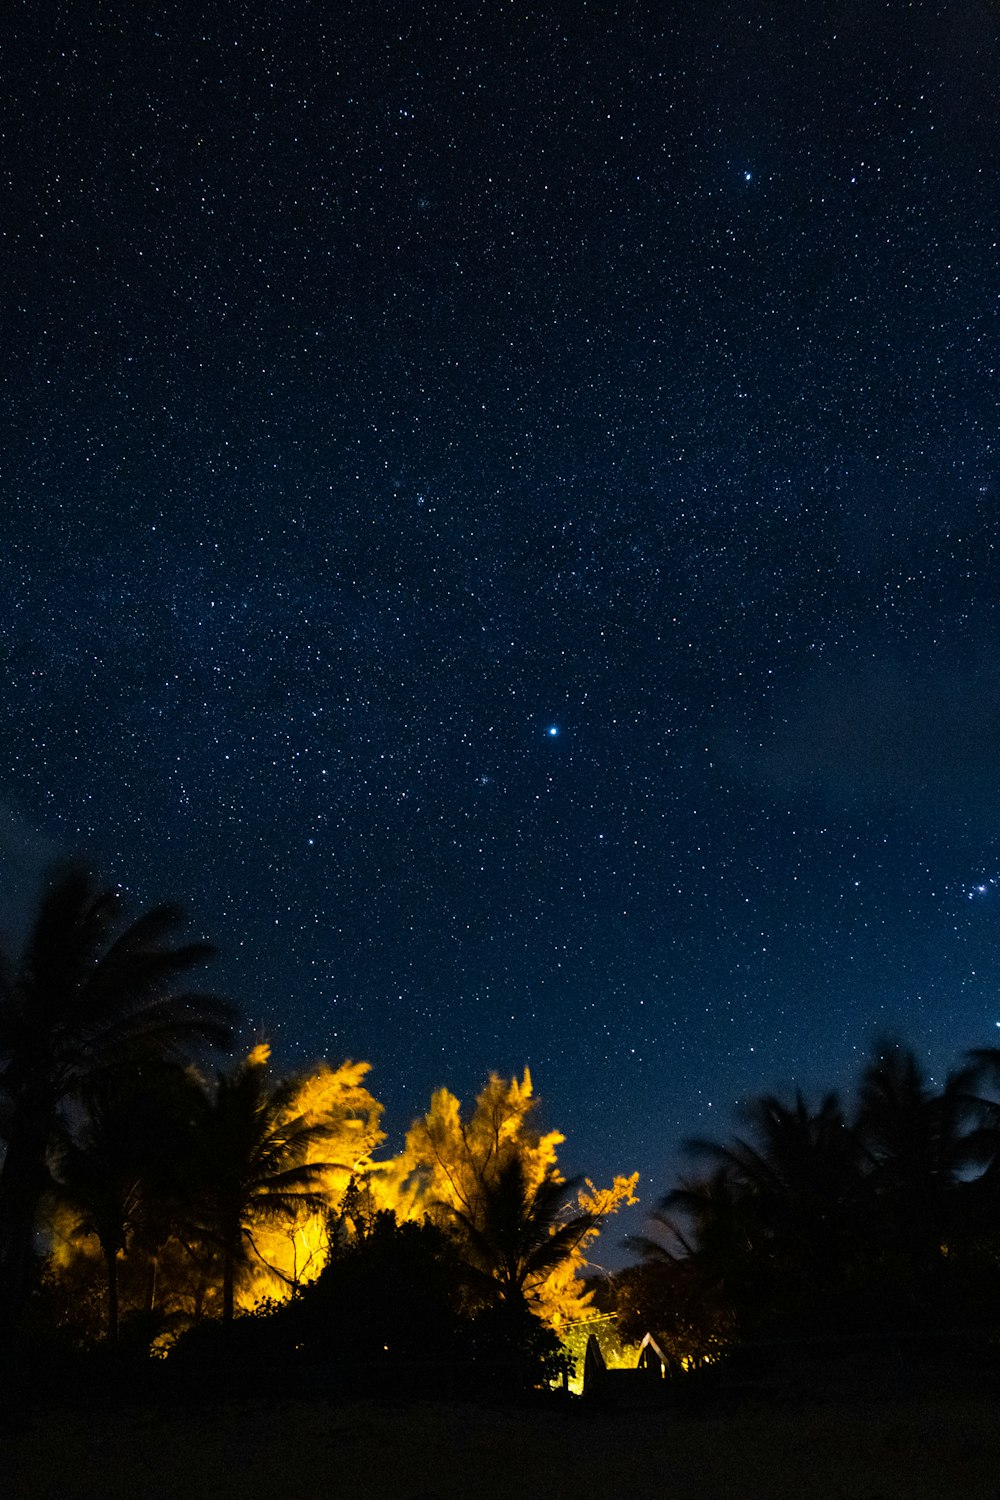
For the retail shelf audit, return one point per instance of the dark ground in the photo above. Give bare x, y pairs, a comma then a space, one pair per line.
947, 1446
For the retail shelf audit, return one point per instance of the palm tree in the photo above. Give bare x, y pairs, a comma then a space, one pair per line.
770, 1231
99, 1177
117, 1169
88, 998
801, 1171
919, 1153
977, 1084
514, 1235
712, 1237
253, 1151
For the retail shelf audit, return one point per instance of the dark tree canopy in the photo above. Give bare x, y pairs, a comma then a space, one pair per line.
91, 996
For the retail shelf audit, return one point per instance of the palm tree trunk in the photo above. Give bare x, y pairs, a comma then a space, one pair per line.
150, 1299
228, 1283
111, 1261
22, 1183
15, 1245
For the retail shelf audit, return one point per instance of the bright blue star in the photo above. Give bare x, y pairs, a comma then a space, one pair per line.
748, 177
553, 730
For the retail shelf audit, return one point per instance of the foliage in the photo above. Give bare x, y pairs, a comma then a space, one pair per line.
671, 1299
391, 1295
262, 1164
337, 1129
515, 1235
110, 1172
493, 1180
387, 1316
159, 1178
819, 1221
394, 1302
89, 999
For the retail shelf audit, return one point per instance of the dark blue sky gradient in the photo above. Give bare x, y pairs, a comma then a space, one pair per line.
385, 385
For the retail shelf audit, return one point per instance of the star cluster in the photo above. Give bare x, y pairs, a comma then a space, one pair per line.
500, 511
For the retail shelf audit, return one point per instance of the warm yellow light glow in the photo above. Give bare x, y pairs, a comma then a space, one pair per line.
445, 1158
289, 1254
174, 1274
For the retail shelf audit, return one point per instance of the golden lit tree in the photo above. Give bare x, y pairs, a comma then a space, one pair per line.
494, 1177
224, 1188
561, 1298
275, 1157
344, 1129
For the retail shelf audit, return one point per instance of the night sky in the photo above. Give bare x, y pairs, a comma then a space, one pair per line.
499, 515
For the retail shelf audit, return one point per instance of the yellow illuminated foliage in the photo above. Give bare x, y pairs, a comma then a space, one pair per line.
447, 1161
562, 1298
179, 1272
292, 1252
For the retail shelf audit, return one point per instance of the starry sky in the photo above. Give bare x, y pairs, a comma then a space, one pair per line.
499, 513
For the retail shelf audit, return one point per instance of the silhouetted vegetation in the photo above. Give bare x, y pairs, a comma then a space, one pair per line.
237, 1223
91, 1001
870, 1233
243, 1227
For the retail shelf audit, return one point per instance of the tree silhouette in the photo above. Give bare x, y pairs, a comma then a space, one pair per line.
515, 1233
920, 1157
118, 1171
708, 1225
799, 1187
391, 1296
456, 1168
252, 1165
771, 1233
812, 1222
89, 997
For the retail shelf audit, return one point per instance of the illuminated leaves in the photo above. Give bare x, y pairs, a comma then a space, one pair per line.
494, 1178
